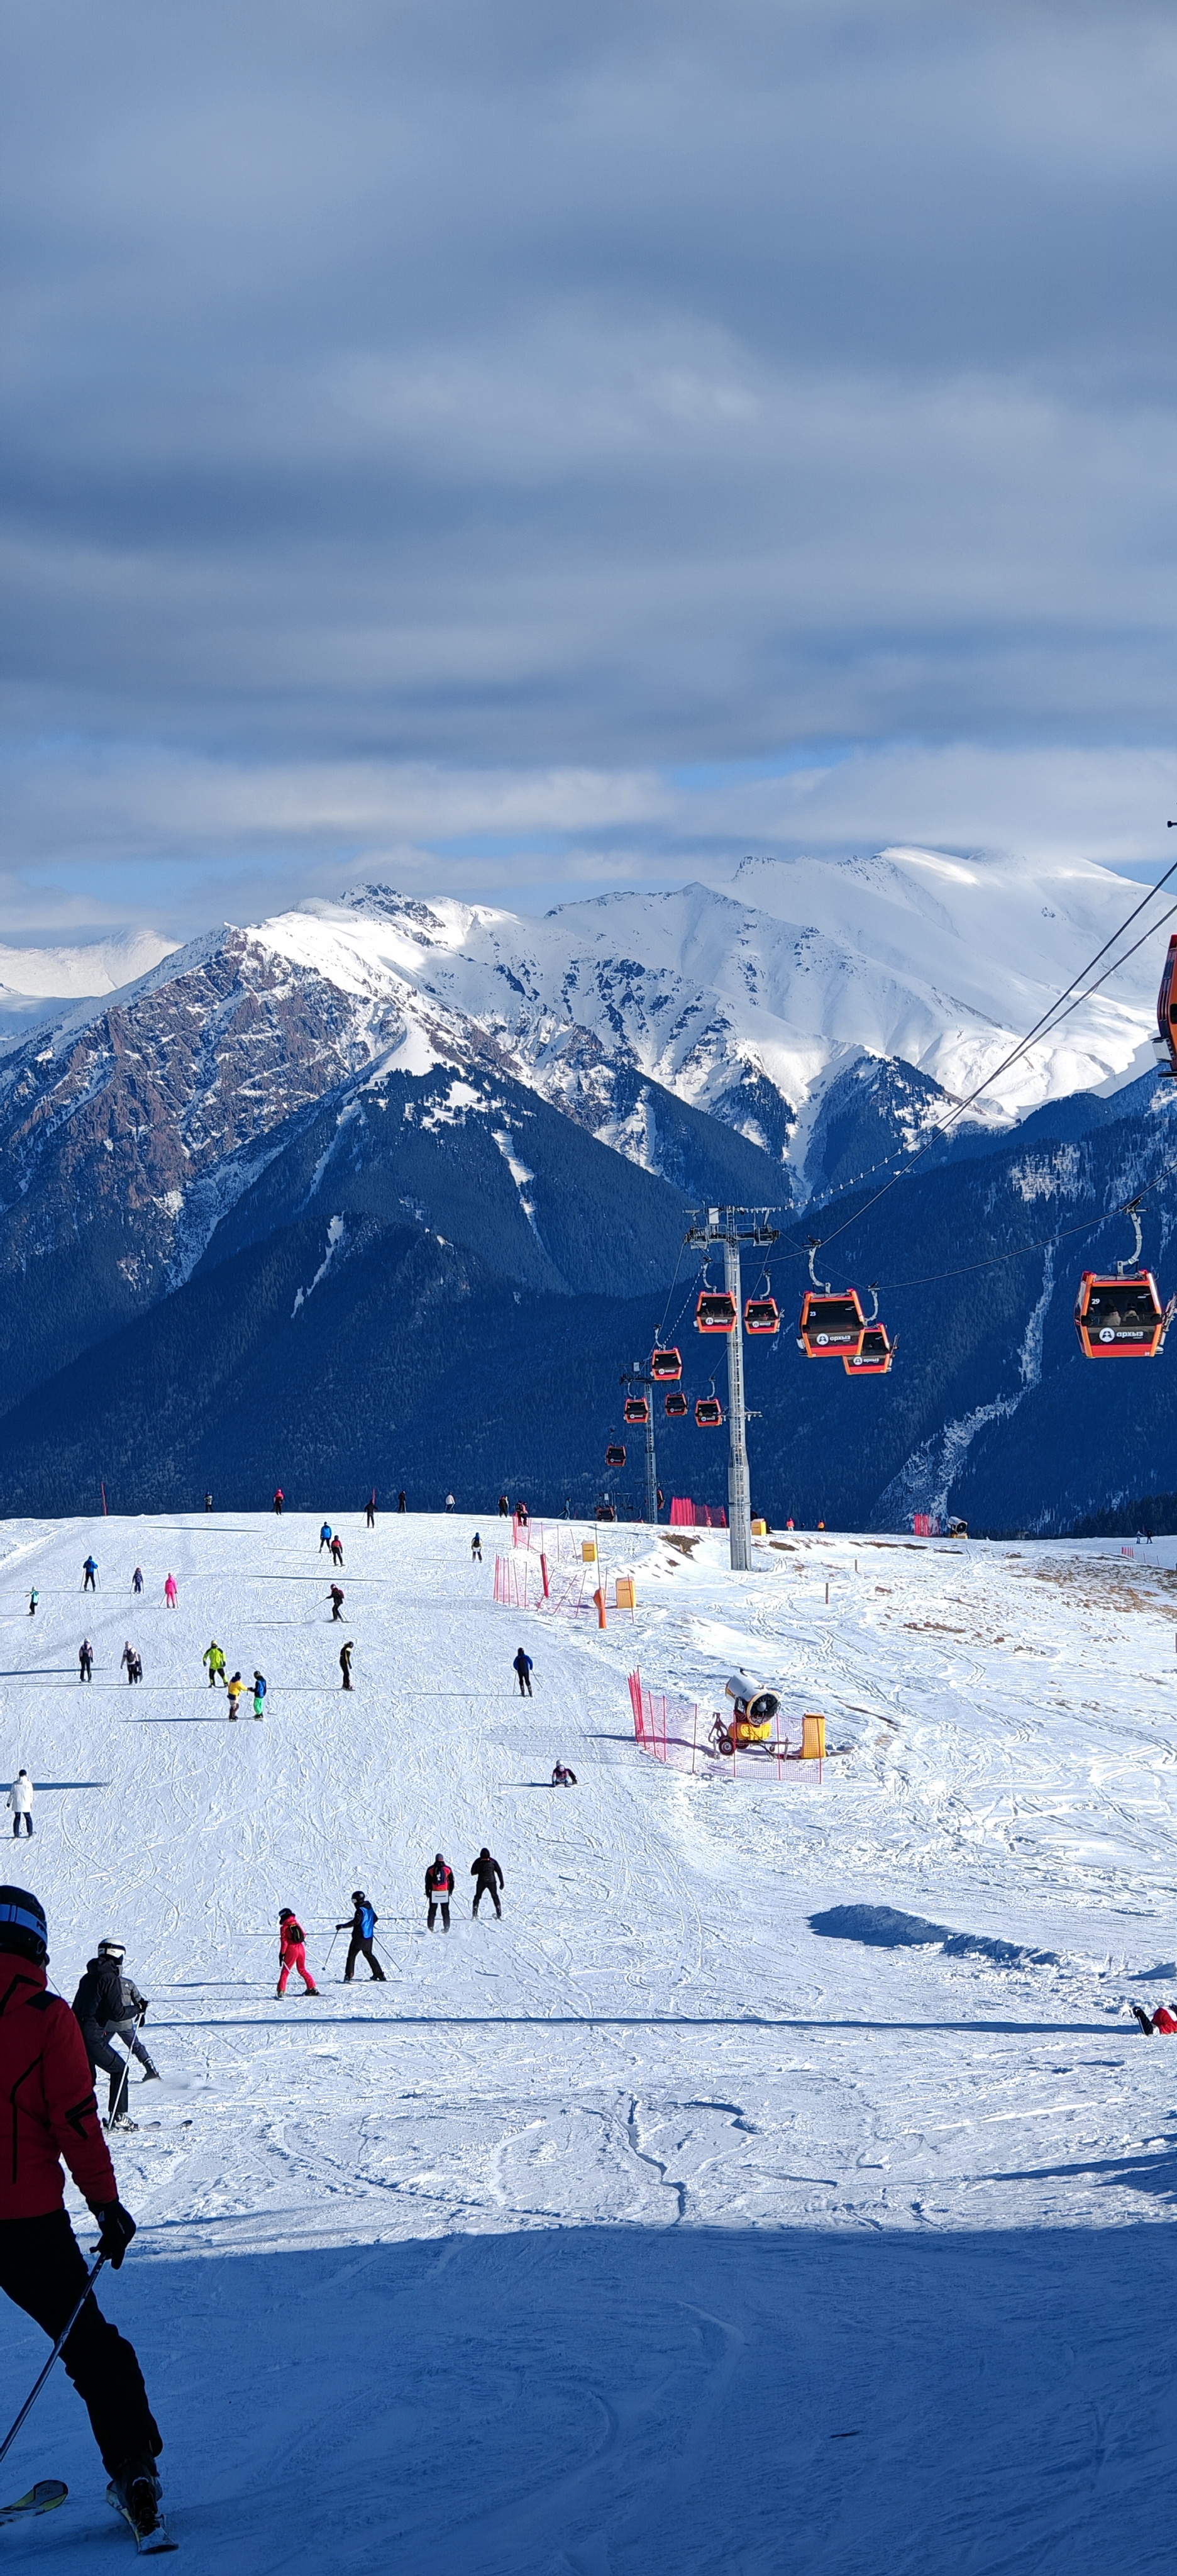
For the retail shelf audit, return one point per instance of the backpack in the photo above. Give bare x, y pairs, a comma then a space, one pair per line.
292, 1932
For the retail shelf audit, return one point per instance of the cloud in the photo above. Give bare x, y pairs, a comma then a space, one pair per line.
440, 405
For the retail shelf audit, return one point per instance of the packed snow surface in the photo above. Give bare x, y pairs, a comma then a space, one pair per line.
781, 2184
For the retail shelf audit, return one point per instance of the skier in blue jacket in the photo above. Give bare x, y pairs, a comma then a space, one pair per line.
363, 1926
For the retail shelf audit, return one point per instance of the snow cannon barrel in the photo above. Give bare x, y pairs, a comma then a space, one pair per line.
755, 1709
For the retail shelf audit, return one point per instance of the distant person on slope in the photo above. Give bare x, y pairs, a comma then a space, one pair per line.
137, 1579
504, 1508
85, 1661
335, 1597
476, 1548
45, 2079
34, 1597
90, 1575
449, 1502
337, 1551
439, 1887
109, 2005
324, 1536
562, 1777
259, 1694
20, 1799
345, 1655
292, 1952
523, 1667
401, 1502
171, 1592
129, 1659
234, 1689
1162, 2020
208, 1502
489, 1877
372, 1509
279, 1499
214, 1657
363, 1932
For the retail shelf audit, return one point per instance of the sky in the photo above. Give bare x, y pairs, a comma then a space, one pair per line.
521, 451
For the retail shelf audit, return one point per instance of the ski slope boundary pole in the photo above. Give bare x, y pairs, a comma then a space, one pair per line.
66, 2332
124, 2081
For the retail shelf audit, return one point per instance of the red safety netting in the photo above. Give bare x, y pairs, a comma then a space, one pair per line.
684, 1514
672, 1730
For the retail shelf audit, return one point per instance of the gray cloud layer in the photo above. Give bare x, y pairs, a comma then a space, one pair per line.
501, 388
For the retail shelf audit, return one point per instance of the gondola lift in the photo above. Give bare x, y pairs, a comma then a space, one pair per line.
676, 1404
666, 1366
762, 1313
716, 1310
832, 1324
878, 1349
708, 1411
615, 1454
1122, 1318
636, 1408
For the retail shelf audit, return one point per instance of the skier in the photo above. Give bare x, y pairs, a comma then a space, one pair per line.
208, 1502
522, 1666
449, 1502
234, 1689
337, 1551
171, 1592
439, 1887
401, 1504
106, 2004
46, 2080
214, 1657
487, 1872
135, 1672
345, 1655
504, 1508
363, 1928
279, 1499
372, 1509
129, 1658
85, 1661
335, 1597
562, 1777
89, 1575
1163, 2020
324, 1536
20, 1799
34, 1597
259, 1694
476, 1548
292, 1952
521, 1514
137, 1579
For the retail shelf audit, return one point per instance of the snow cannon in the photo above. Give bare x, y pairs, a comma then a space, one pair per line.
754, 1709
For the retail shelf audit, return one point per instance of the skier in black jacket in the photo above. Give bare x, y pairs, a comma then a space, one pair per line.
487, 1872
439, 1887
108, 2004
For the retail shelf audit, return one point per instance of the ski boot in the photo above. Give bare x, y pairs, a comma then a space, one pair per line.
136, 2493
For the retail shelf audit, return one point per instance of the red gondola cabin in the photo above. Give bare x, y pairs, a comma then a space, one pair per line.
762, 1315
708, 1412
636, 1409
832, 1328
876, 1355
715, 1312
676, 1404
666, 1366
615, 1454
1119, 1319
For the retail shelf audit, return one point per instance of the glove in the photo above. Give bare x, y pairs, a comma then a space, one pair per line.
115, 2230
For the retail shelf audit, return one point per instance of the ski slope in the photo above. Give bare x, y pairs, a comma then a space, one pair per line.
650, 2229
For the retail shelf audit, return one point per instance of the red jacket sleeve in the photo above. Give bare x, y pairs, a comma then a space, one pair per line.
72, 2109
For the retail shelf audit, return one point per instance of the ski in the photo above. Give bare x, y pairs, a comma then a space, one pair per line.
40, 2499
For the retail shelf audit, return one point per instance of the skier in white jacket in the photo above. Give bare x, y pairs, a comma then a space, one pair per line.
20, 1799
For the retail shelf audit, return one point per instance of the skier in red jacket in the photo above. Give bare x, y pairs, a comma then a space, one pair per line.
48, 2093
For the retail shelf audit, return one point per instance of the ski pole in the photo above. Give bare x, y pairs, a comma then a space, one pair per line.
327, 1960
66, 2331
124, 2079
387, 1954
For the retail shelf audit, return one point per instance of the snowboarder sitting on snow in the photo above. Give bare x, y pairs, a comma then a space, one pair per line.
89, 1574
324, 1536
522, 1666
259, 1694
476, 1546
1162, 2020
214, 1657
293, 1953
335, 1597
439, 1887
20, 1799
107, 2005
363, 1929
234, 1688
45, 2080
85, 1661
562, 1777
487, 1872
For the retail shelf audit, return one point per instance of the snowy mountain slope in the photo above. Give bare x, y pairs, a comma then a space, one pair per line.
699, 2214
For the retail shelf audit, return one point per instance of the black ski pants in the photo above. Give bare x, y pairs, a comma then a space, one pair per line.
524, 1683
486, 1887
359, 1948
101, 2054
89, 1585
42, 2268
16, 1821
444, 1903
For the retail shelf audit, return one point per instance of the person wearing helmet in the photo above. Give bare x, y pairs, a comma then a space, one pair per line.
363, 1930
439, 1887
45, 2080
292, 1946
107, 2006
